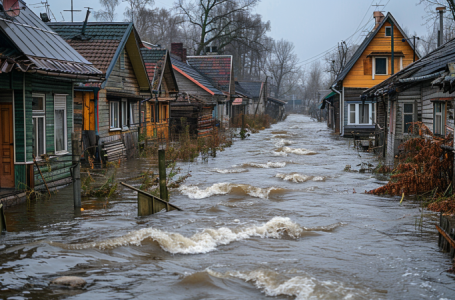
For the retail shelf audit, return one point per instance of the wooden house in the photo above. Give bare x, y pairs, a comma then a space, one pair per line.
370, 65
257, 93
198, 96
422, 92
38, 71
218, 69
111, 106
275, 108
165, 90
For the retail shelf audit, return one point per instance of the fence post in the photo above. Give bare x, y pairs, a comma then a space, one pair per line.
162, 173
75, 142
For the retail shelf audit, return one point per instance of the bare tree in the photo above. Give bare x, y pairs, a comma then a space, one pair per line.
282, 63
140, 12
217, 20
314, 81
108, 14
336, 61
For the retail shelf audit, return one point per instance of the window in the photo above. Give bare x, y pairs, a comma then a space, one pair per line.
124, 114
133, 112
380, 66
388, 31
364, 111
439, 121
38, 122
61, 142
114, 115
361, 114
408, 116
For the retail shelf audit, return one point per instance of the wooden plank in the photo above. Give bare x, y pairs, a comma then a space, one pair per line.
175, 207
446, 236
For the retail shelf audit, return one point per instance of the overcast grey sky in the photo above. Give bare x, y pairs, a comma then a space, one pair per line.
313, 26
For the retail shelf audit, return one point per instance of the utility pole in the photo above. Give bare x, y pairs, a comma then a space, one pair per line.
72, 11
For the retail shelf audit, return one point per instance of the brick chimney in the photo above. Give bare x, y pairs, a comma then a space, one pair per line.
178, 50
378, 16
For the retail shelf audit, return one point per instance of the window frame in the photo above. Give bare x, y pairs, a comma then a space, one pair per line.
386, 65
442, 114
132, 120
111, 114
124, 114
65, 125
385, 33
371, 114
39, 114
403, 114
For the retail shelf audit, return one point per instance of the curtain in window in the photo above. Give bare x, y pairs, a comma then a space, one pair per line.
60, 130
364, 113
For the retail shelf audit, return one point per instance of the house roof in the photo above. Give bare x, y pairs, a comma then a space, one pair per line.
217, 68
253, 88
241, 91
102, 44
30, 44
159, 67
279, 102
389, 17
428, 67
193, 75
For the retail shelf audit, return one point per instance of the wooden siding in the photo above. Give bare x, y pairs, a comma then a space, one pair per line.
123, 80
429, 93
411, 95
357, 77
187, 86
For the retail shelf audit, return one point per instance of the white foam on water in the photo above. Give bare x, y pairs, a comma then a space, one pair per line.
201, 242
267, 165
194, 192
301, 287
282, 143
282, 154
294, 177
299, 151
318, 178
230, 171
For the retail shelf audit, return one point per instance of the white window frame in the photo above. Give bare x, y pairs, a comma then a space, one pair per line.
385, 33
133, 120
386, 66
441, 114
124, 113
111, 112
40, 114
65, 122
405, 113
357, 114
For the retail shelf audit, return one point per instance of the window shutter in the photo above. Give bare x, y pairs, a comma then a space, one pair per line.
367, 67
59, 102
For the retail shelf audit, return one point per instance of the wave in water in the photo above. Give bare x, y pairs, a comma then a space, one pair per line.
282, 143
268, 165
194, 192
202, 242
299, 178
230, 171
301, 286
299, 151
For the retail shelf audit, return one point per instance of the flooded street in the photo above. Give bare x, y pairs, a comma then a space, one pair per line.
273, 215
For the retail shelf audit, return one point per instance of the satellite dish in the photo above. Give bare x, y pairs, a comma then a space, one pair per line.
11, 7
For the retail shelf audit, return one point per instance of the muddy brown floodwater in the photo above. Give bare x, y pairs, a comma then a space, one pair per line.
273, 215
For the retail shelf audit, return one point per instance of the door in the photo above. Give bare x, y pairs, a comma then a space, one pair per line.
6, 146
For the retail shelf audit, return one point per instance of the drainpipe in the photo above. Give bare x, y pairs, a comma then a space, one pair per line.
393, 48
341, 115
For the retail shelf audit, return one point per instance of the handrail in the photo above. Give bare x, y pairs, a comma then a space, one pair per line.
150, 195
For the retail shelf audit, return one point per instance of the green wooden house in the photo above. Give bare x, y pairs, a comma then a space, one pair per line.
38, 71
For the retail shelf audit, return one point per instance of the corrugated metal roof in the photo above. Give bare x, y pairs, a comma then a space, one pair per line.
365, 44
253, 88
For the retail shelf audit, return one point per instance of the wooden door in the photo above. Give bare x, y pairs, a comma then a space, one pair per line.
6, 146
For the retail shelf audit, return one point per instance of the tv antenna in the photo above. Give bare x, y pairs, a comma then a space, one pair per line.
377, 6
72, 10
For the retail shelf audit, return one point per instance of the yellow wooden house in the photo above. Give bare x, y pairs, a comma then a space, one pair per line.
371, 64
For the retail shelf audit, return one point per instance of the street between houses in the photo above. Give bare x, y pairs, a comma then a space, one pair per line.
273, 215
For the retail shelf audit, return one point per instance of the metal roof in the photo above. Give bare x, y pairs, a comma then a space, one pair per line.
253, 88
365, 44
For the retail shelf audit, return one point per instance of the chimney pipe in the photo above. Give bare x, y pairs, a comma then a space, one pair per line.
441, 11
85, 22
378, 16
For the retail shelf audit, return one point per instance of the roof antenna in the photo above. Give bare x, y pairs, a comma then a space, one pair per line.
72, 10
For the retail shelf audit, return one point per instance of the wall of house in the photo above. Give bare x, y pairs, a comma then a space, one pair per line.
428, 93
187, 86
352, 96
361, 73
123, 79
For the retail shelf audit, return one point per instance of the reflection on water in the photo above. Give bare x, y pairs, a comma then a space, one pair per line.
272, 216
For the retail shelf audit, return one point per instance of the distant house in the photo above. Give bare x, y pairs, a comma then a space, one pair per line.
114, 48
423, 91
370, 65
198, 97
37, 78
276, 108
164, 88
256, 90
218, 69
